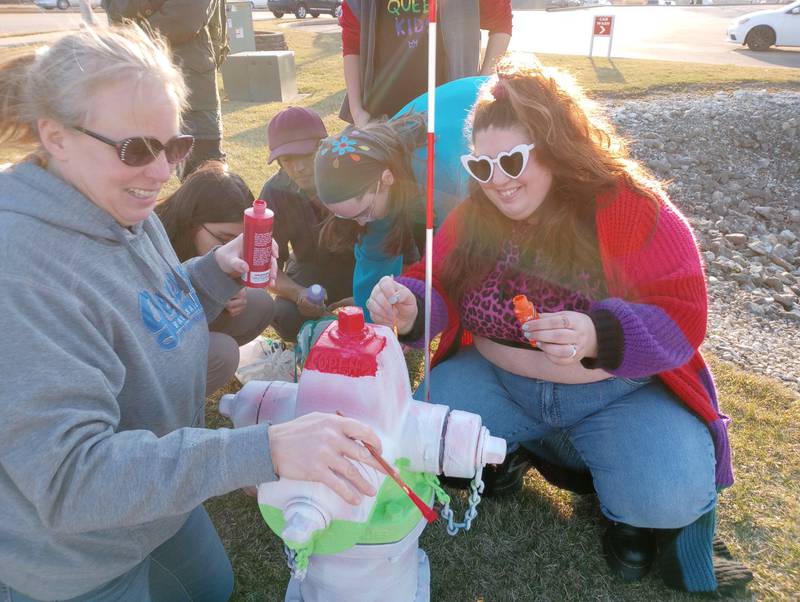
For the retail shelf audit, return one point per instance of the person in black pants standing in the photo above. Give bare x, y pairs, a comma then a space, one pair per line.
197, 35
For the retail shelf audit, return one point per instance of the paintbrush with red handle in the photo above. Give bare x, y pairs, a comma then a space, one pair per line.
428, 512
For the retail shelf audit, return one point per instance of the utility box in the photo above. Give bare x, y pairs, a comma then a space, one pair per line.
240, 26
260, 76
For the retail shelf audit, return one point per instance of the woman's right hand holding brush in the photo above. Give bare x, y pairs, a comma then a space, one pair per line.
392, 304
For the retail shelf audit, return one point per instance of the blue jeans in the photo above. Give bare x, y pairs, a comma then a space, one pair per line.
651, 459
191, 566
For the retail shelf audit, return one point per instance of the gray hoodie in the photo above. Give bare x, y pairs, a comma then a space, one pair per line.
102, 448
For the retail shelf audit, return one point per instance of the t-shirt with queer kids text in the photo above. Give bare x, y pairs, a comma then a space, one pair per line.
401, 56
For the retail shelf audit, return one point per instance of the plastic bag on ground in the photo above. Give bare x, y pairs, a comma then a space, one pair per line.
266, 359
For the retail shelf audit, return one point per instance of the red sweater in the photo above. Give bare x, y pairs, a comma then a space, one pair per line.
657, 303
495, 17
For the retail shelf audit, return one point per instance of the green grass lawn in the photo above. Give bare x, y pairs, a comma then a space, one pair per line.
544, 544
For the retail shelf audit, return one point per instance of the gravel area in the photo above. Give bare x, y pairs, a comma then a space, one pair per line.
732, 160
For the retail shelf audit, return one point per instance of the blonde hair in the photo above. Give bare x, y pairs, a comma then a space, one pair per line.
56, 82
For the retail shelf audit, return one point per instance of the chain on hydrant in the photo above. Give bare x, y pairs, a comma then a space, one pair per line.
295, 560
475, 492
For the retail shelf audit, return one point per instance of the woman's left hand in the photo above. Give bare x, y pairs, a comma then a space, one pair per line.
566, 337
229, 259
237, 303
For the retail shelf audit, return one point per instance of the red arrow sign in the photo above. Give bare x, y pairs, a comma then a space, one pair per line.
603, 25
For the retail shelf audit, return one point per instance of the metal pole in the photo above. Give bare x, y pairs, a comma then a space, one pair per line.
429, 195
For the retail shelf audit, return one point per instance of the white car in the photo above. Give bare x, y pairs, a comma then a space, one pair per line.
63, 4
765, 28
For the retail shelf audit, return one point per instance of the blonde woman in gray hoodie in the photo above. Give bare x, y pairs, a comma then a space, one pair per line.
104, 458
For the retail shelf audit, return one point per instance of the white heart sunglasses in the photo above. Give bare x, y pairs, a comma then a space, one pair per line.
512, 163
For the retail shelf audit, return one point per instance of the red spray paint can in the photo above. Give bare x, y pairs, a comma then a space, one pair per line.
258, 244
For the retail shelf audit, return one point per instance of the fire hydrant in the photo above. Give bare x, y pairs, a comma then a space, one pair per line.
368, 552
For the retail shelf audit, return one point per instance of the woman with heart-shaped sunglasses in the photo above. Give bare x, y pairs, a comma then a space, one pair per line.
605, 391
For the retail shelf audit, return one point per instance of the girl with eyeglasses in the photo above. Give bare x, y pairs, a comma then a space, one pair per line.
104, 459
205, 212
372, 179
606, 391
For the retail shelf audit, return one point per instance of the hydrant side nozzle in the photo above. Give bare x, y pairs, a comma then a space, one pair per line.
494, 451
303, 519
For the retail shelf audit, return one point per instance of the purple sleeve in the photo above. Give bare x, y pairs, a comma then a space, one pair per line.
439, 313
651, 341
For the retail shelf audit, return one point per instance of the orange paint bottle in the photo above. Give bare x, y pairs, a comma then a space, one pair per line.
524, 311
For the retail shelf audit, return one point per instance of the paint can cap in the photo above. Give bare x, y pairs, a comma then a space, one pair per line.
316, 294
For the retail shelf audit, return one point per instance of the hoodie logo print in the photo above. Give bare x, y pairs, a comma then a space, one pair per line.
170, 319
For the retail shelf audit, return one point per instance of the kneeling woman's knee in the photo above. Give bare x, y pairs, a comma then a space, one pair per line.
223, 359
669, 502
261, 306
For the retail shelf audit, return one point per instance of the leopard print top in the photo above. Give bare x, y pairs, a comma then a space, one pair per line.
487, 311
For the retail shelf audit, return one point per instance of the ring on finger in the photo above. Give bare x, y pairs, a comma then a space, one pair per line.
574, 351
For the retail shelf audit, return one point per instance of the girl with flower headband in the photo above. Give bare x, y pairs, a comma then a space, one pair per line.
371, 179
606, 391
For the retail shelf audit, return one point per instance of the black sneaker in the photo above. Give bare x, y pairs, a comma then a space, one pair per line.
499, 480
579, 482
629, 550
505, 479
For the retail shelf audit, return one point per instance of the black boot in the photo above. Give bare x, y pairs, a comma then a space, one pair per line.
629, 550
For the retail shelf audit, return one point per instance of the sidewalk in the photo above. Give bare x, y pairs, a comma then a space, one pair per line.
36, 39
19, 8
32, 8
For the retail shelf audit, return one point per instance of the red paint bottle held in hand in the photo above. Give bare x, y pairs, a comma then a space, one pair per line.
257, 250
525, 311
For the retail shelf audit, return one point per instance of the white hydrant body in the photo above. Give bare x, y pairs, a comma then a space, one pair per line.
360, 372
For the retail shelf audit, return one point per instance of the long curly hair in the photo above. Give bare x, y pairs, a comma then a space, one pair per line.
586, 158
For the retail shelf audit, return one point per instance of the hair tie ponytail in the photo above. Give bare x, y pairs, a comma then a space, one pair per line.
499, 90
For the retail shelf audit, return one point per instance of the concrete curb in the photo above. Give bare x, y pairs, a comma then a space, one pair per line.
38, 39
32, 9
5, 36
20, 8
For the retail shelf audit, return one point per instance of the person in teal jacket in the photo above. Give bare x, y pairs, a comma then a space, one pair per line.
372, 178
